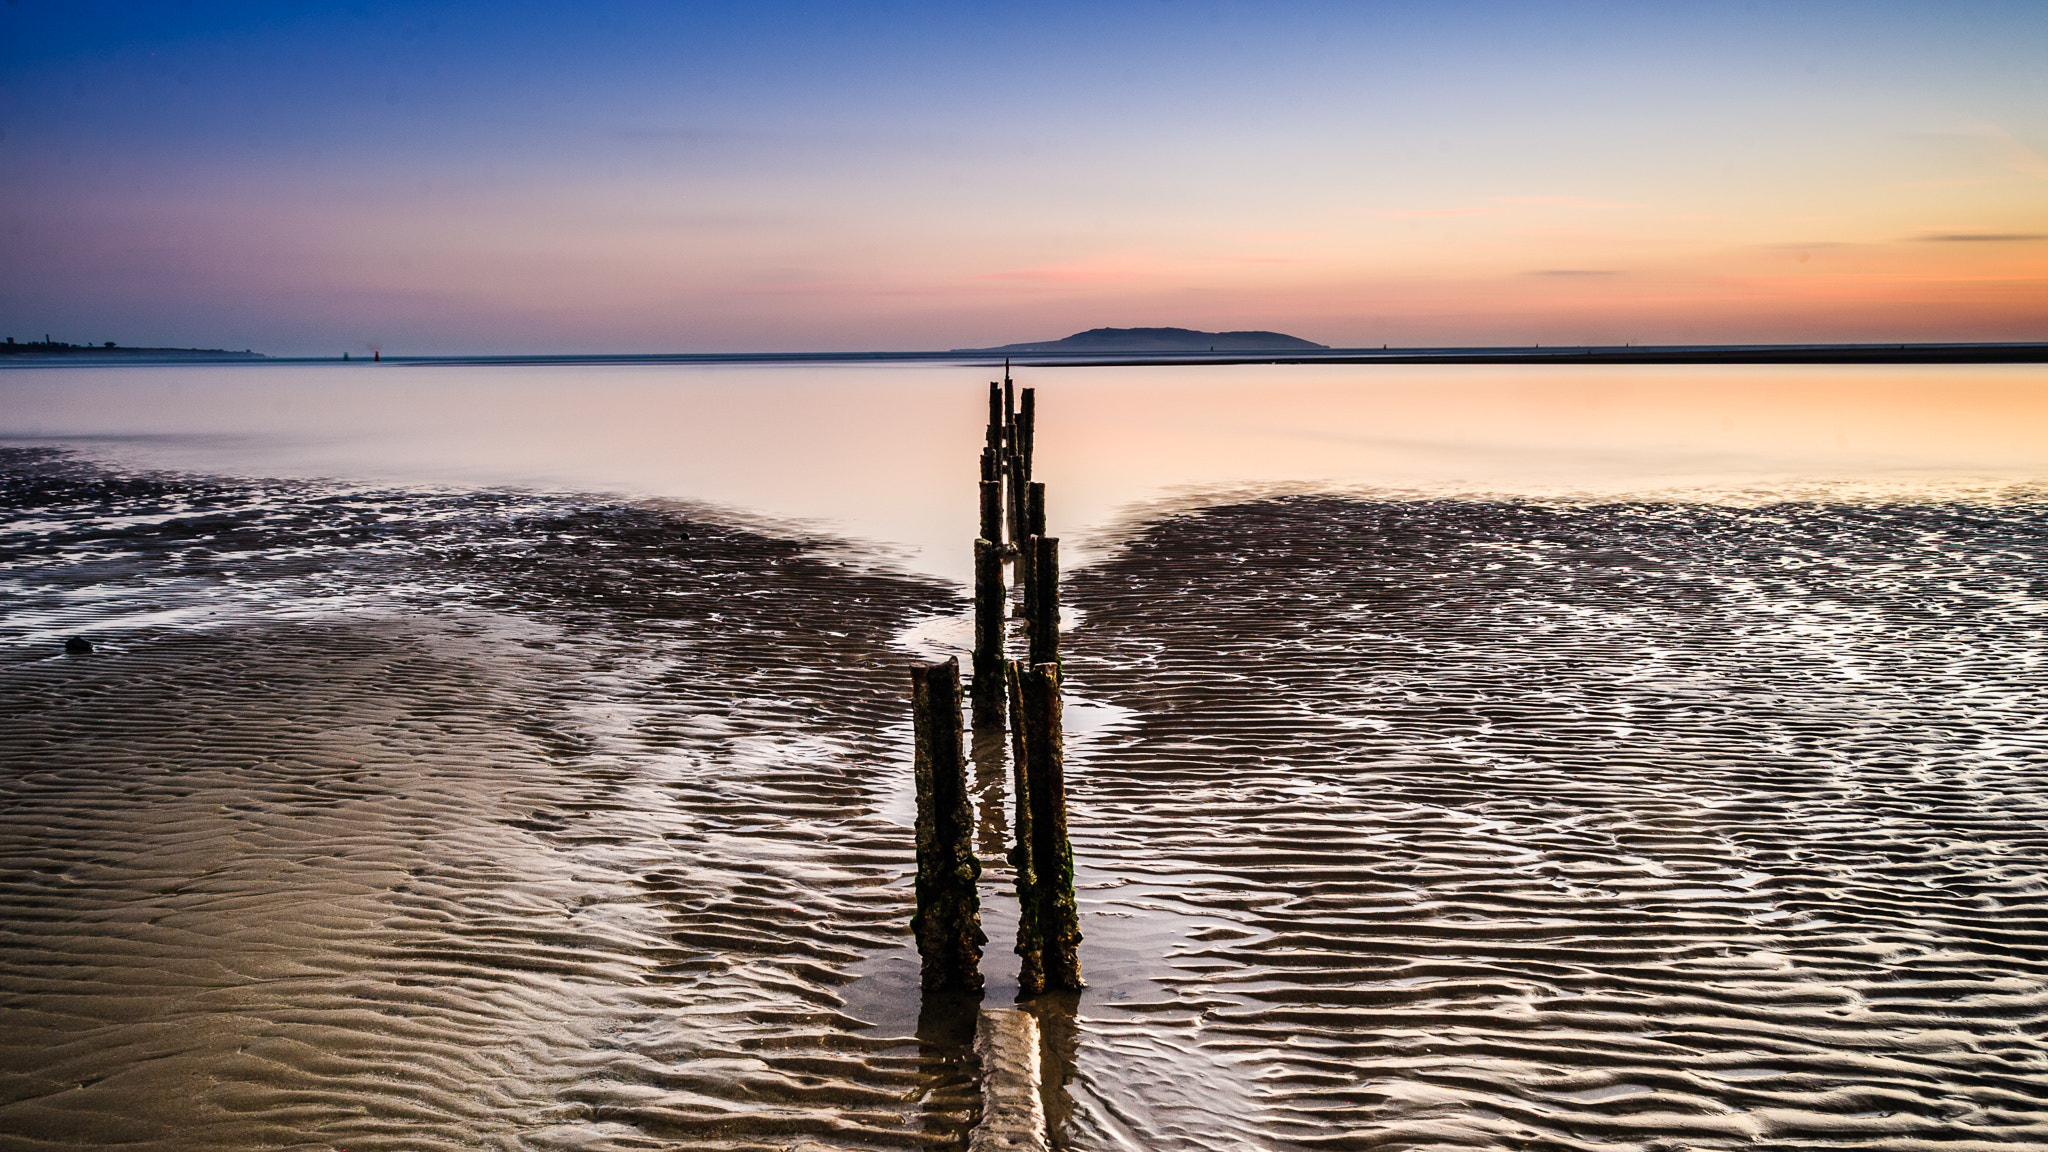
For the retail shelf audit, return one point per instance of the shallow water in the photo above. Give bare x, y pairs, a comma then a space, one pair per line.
395, 815
880, 453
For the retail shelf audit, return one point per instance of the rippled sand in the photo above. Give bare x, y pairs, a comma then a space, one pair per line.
1497, 825
412, 819
489, 820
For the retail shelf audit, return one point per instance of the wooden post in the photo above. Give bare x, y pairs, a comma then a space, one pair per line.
995, 422
991, 605
992, 469
1013, 492
1049, 924
1027, 428
1044, 621
991, 504
992, 512
1030, 940
948, 920
1009, 409
1027, 551
1027, 589
1034, 509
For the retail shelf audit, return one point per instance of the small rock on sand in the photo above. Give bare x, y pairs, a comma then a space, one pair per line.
78, 646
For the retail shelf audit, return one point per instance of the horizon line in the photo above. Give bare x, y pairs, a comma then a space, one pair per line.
1867, 352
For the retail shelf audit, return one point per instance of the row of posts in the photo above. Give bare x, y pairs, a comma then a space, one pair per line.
1020, 695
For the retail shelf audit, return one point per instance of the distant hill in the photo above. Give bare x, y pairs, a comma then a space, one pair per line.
1162, 340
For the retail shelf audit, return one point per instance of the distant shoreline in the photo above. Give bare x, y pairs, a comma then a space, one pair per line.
2031, 353
43, 351
24, 356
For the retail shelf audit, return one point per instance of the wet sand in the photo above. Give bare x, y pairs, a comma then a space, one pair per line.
481, 822
408, 818
1477, 824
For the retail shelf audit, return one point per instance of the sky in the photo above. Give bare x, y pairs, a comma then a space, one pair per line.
442, 178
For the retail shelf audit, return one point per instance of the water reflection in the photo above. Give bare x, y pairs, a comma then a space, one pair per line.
991, 795
945, 1058
1059, 1040
887, 453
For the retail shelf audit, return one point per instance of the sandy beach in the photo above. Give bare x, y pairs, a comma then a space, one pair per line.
542, 827
1644, 826
419, 818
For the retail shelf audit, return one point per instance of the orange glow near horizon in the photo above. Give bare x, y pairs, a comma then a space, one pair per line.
1517, 270
1114, 441
1508, 274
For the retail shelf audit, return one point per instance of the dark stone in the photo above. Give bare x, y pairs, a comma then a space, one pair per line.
78, 646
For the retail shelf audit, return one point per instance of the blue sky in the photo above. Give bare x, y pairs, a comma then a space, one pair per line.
527, 177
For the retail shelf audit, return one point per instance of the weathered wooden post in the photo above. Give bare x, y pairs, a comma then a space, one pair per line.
1027, 589
991, 606
948, 919
1049, 922
995, 425
1027, 553
1034, 509
991, 598
1030, 939
1020, 458
992, 469
1044, 621
1013, 487
1027, 427
991, 500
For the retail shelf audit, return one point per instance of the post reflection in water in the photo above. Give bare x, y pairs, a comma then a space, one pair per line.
1057, 1013
1059, 1040
945, 1055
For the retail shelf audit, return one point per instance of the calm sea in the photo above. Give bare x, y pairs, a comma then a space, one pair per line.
886, 454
